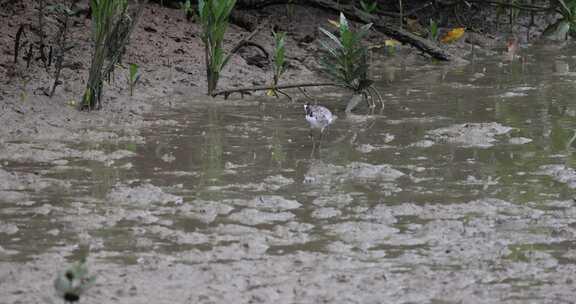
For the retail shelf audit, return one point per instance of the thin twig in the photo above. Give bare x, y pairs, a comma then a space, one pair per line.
62, 44
306, 94
17, 39
243, 41
254, 44
285, 94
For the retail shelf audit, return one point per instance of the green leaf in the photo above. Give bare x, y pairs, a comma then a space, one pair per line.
369, 8
344, 27
133, 71
347, 39
331, 36
433, 30
346, 59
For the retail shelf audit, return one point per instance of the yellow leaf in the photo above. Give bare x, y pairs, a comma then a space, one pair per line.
334, 23
271, 92
391, 42
453, 35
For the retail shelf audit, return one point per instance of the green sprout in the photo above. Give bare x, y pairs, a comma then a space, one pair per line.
111, 29
567, 24
369, 7
187, 8
73, 282
214, 19
279, 55
133, 77
279, 60
433, 30
290, 9
346, 59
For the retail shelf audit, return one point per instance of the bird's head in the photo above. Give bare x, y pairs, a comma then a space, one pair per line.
307, 108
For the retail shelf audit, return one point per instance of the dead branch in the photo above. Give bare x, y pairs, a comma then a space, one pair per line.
62, 47
425, 45
244, 40
242, 91
256, 45
17, 40
351, 11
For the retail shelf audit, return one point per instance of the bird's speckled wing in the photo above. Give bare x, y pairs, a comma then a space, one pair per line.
319, 116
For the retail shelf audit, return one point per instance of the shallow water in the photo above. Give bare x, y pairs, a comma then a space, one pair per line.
461, 189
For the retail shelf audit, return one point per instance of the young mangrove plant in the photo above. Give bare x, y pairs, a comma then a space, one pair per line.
369, 7
433, 30
133, 77
560, 29
214, 19
73, 282
279, 55
187, 8
346, 60
111, 29
290, 10
279, 66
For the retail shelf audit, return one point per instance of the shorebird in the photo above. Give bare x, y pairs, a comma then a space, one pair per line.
318, 117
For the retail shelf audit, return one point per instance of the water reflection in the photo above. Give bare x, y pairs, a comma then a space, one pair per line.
212, 148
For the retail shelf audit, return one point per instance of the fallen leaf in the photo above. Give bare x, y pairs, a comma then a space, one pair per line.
391, 42
376, 46
334, 23
453, 35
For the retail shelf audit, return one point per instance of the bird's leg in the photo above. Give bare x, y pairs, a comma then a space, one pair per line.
313, 147
320, 141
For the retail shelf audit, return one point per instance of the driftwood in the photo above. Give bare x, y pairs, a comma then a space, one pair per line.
242, 91
354, 13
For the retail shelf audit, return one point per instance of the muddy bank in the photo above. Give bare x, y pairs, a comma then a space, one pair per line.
165, 46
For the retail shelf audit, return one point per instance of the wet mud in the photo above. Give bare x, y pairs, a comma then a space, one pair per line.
460, 190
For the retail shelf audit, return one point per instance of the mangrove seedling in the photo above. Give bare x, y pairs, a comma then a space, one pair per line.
111, 29
279, 55
187, 8
346, 59
214, 19
433, 30
133, 77
560, 29
290, 9
369, 7
73, 282
279, 61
